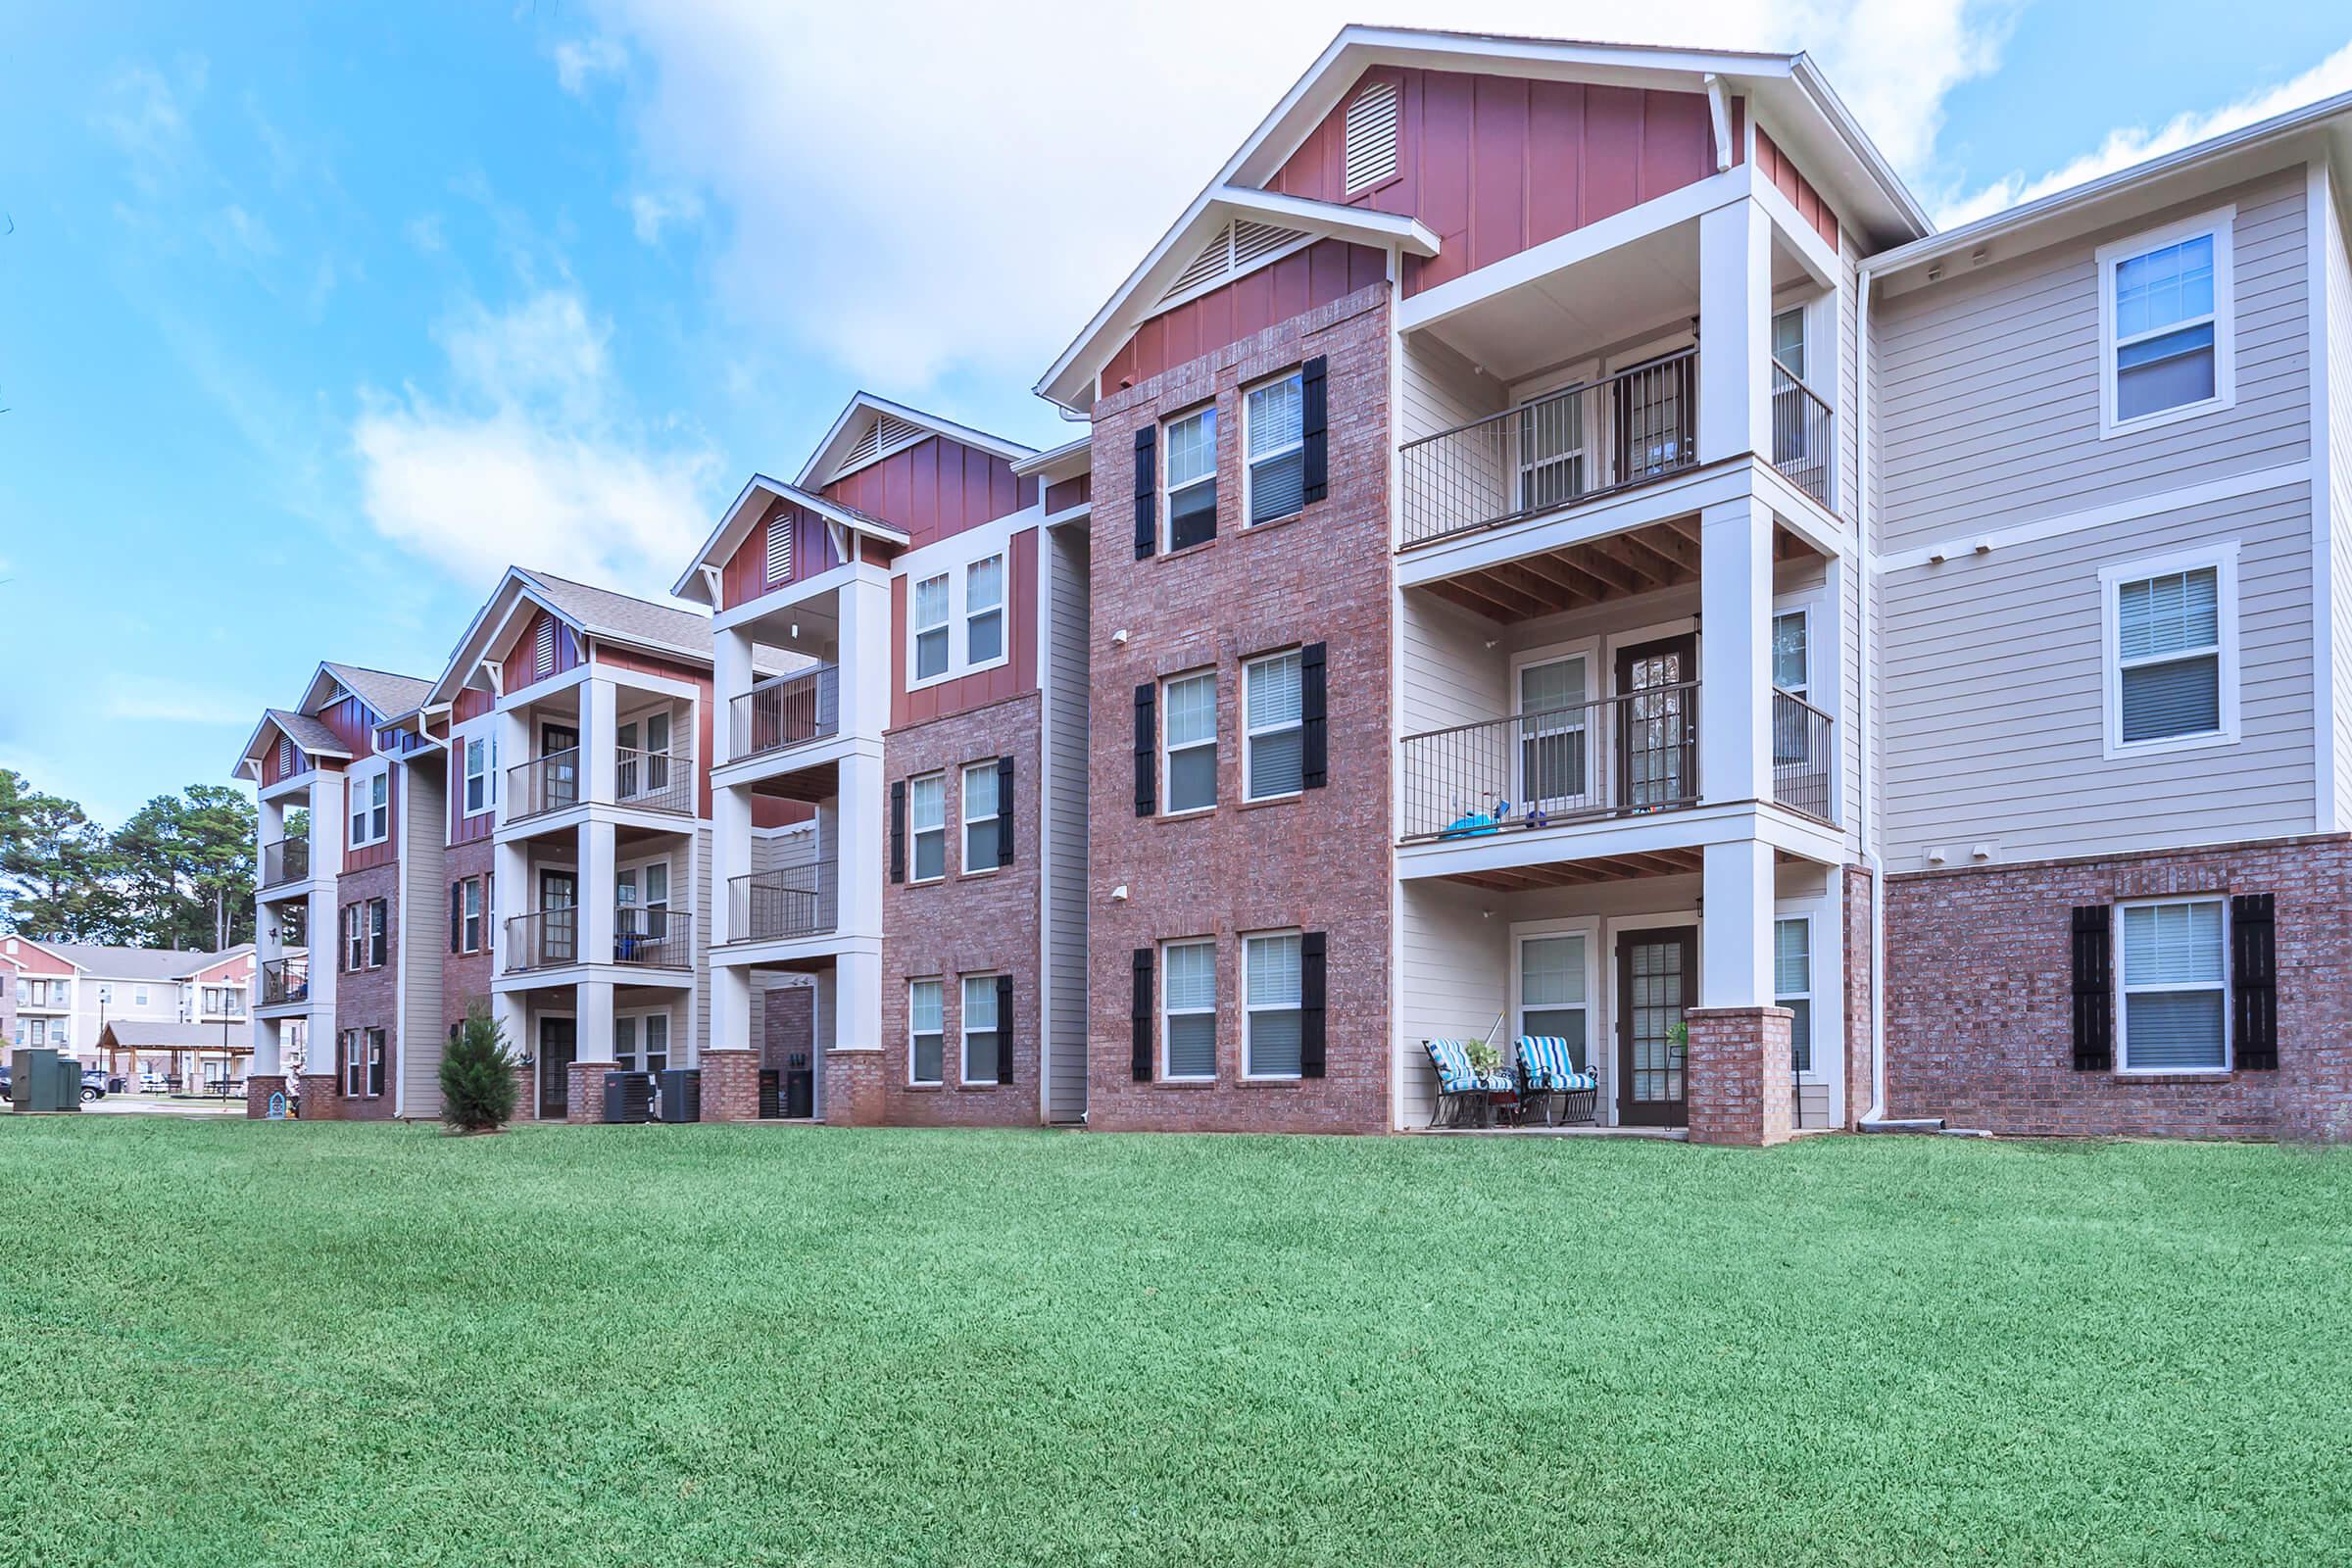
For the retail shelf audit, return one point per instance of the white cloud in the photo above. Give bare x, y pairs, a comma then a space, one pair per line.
2130, 144
425, 234
973, 203
579, 62
649, 211
534, 456
239, 236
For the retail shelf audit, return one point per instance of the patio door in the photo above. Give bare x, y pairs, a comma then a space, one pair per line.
1657, 723
1657, 981
559, 772
558, 917
558, 1040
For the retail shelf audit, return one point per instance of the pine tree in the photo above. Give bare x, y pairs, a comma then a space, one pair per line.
477, 1075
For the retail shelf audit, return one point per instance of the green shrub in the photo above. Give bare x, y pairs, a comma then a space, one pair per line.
477, 1075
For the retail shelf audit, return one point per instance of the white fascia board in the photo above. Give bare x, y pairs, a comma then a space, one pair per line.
863, 401
1064, 461
467, 655
1360, 223
785, 596
1816, 254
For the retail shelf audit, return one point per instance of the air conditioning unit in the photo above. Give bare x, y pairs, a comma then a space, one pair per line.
682, 1095
628, 1097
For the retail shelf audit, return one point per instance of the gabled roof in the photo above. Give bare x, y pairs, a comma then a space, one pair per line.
750, 505
388, 694
1807, 119
595, 611
305, 731
163, 1034
892, 425
136, 964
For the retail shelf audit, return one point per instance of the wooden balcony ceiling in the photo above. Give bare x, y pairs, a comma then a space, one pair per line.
1581, 873
810, 784
1639, 560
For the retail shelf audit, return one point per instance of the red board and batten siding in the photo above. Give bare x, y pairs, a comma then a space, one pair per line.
1774, 165
354, 724
471, 704
271, 773
1497, 165
521, 661
744, 578
1063, 493
1017, 674
1328, 270
934, 489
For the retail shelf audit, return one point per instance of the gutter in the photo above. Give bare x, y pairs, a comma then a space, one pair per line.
1865, 824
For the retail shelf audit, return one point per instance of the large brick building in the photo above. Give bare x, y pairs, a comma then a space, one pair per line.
1580, 557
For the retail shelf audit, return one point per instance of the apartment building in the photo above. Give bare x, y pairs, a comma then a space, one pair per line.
63, 994
1588, 560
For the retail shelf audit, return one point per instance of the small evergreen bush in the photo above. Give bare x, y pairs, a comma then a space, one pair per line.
477, 1075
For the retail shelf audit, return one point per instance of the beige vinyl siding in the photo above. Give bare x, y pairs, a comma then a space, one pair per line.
423, 938
2337, 326
1995, 697
1065, 835
701, 866
1453, 975
1449, 675
1989, 382
1441, 389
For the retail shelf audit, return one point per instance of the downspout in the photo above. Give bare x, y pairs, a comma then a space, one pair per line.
1865, 824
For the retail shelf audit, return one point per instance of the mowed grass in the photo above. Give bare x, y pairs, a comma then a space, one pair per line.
252, 1344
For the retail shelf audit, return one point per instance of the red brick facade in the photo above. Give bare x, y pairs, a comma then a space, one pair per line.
1980, 998
365, 998
466, 976
1738, 1075
259, 1087
730, 1086
965, 925
1320, 861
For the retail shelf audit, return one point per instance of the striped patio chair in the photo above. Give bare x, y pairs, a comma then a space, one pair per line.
1547, 1067
1459, 1084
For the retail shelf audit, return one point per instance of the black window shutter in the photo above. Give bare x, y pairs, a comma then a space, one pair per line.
1005, 817
897, 830
2254, 981
457, 916
1314, 753
1003, 1028
1311, 1004
2094, 989
1141, 1018
1147, 491
1312, 428
1146, 748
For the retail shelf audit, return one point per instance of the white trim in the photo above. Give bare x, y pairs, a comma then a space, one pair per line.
914, 1034
2229, 487
953, 558
1585, 651
2123, 989
1249, 1013
2220, 225
2221, 556
963, 1028
1614, 927
1167, 754
1250, 460
359, 779
863, 401
2320, 221
1249, 733
1166, 1013
1600, 1041
915, 834
968, 821
1165, 473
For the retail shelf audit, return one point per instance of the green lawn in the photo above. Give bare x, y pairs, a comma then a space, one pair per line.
244, 1344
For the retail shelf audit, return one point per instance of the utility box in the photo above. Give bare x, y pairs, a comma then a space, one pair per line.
628, 1097
682, 1095
39, 1080
800, 1087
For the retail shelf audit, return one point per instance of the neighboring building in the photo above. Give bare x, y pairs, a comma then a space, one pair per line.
1590, 562
194, 1057
62, 994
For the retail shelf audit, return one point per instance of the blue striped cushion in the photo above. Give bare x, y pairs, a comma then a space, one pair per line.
1456, 1075
1549, 1067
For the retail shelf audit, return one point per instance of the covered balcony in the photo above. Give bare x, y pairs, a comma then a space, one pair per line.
286, 981
285, 863
601, 743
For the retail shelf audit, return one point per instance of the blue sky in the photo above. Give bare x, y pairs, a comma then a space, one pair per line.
311, 317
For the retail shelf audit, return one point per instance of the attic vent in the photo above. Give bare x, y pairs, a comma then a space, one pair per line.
886, 432
1371, 136
285, 755
779, 549
1239, 246
542, 649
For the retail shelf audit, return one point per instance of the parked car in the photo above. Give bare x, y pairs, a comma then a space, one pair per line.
152, 1083
97, 1083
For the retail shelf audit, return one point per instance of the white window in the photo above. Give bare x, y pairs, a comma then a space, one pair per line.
1274, 479
469, 896
1370, 136
927, 819
1189, 743
1273, 756
1792, 985
1555, 735
980, 1029
984, 612
1788, 341
1792, 652
779, 550
931, 627
1273, 1015
1554, 992
2175, 1015
926, 1030
641, 1042
1188, 1007
477, 776
2168, 343
2172, 651
370, 811
980, 816
138, 995
1191, 478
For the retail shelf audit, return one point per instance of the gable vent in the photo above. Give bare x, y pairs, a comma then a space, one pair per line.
542, 652
1371, 136
779, 549
886, 433
1239, 246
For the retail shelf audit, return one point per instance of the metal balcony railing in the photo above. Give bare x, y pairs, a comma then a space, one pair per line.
1804, 445
784, 711
649, 781
655, 781
794, 901
653, 937
1802, 756
285, 861
543, 784
546, 939
285, 980
1561, 448
1619, 755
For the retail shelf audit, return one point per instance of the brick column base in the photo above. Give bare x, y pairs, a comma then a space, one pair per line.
259, 1087
321, 1099
730, 1086
853, 1088
1737, 1073
584, 1090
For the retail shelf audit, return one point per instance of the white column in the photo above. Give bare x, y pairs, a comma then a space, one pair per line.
322, 935
730, 858
597, 892
595, 1003
1734, 331
266, 1052
510, 1012
598, 755
863, 640
730, 1007
730, 678
858, 1002
858, 844
510, 895
1735, 937
1735, 653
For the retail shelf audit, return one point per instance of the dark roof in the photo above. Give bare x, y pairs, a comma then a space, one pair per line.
631, 619
388, 694
137, 964
163, 1034
309, 733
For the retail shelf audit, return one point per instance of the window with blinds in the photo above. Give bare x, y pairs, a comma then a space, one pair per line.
1553, 997
2169, 655
1273, 1015
1371, 136
1189, 1009
925, 1031
1273, 726
2175, 980
1792, 986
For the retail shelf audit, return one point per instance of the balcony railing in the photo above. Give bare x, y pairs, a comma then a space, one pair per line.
655, 781
1564, 446
1802, 756
285, 980
1619, 756
285, 861
1803, 436
543, 784
547, 939
653, 938
794, 901
787, 711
